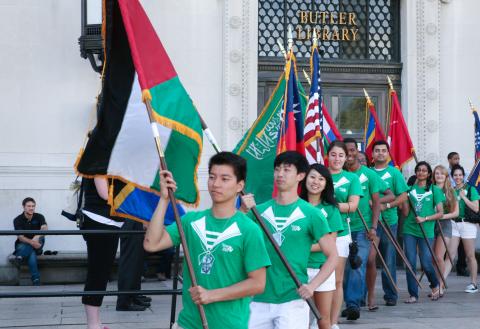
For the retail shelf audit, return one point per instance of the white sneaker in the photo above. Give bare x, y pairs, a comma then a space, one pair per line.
471, 288
335, 326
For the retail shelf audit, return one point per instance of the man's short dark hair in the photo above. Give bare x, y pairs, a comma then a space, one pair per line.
29, 199
381, 142
292, 158
451, 155
350, 140
233, 160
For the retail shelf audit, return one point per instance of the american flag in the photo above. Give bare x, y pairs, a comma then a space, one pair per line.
313, 131
477, 136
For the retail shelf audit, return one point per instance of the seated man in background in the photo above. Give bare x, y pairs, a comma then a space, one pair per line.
28, 246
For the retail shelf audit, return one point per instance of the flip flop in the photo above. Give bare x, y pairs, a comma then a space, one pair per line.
411, 300
435, 295
372, 308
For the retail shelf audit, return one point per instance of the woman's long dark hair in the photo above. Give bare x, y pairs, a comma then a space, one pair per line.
430, 172
327, 195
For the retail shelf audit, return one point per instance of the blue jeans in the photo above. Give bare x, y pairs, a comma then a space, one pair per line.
28, 253
411, 242
387, 249
354, 282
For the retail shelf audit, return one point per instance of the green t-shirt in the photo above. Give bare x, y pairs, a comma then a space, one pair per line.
294, 227
370, 185
472, 195
425, 202
396, 183
223, 252
346, 184
332, 214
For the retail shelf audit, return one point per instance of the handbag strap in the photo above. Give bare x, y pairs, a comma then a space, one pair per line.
80, 196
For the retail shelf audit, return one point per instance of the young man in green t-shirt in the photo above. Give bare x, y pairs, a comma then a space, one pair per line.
294, 224
228, 253
395, 181
355, 280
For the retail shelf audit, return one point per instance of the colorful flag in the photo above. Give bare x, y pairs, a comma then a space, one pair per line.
313, 131
373, 130
291, 130
260, 143
477, 135
122, 146
474, 178
401, 146
330, 130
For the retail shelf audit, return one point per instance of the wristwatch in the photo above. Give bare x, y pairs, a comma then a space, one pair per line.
388, 205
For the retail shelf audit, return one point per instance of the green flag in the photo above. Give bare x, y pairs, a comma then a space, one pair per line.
259, 144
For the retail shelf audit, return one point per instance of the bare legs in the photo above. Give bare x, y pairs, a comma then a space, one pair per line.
323, 301
439, 249
452, 247
469, 246
93, 317
338, 293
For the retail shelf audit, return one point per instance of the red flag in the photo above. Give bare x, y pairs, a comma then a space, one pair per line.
373, 130
401, 146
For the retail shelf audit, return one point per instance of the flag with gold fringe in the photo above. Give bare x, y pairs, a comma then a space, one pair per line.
121, 145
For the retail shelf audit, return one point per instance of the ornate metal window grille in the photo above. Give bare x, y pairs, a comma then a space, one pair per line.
377, 21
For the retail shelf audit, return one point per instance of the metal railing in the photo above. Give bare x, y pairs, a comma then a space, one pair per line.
173, 292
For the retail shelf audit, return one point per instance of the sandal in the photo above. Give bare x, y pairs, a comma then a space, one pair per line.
411, 300
435, 295
372, 308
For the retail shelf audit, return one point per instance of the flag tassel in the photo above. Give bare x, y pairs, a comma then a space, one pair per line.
173, 201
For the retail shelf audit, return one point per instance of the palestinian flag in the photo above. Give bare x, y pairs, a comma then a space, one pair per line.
121, 145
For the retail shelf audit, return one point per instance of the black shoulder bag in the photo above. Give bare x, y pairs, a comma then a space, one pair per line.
470, 215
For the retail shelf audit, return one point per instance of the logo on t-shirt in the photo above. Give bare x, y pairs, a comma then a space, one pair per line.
281, 223
338, 185
210, 240
324, 213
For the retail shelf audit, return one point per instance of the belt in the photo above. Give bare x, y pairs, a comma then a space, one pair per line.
459, 219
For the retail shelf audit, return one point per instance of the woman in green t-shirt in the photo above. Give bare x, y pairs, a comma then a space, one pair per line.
467, 196
428, 202
347, 194
317, 188
441, 178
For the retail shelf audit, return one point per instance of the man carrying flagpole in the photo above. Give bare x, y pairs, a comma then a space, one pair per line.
294, 224
230, 253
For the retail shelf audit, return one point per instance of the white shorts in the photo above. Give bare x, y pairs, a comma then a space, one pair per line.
464, 230
327, 285
289, 315
342, 245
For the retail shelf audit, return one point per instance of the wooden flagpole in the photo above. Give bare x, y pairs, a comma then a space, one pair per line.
378, 252
173, 201
412, 208
388, 231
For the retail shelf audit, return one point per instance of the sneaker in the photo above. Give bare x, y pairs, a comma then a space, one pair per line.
18, 261
36, 282
471, 288
353, 313
335, 326
343, 314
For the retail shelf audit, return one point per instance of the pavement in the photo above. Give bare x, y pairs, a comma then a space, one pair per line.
456, 309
